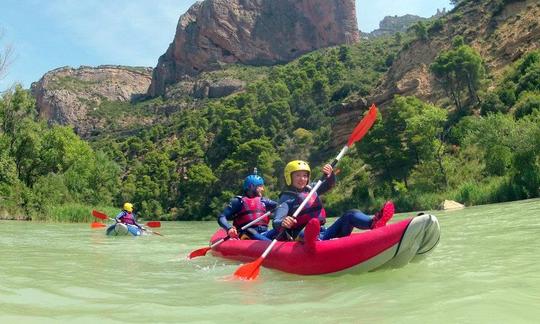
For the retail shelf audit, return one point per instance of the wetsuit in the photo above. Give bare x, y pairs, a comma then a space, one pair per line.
238, 209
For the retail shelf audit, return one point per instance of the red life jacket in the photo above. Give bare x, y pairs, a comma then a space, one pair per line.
128, 218
252, 208
312, 209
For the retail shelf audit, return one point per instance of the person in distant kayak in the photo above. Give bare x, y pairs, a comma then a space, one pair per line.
126, 216
313, 216
246, 208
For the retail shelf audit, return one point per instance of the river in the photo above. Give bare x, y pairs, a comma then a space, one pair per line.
485, 269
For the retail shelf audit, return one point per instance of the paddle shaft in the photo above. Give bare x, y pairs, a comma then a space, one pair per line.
243, 228
142, 228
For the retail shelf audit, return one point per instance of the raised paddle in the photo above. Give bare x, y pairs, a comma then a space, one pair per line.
101, 215
250, 271
202, 251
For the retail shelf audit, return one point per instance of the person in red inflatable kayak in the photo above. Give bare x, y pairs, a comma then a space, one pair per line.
246, 208
313, 216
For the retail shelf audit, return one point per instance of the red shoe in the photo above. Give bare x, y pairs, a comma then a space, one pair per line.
382, 217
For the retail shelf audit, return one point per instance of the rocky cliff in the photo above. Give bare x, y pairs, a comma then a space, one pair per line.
394, 24
66, 95
500, 33
253, 32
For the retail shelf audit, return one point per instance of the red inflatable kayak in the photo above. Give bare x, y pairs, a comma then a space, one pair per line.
392, 245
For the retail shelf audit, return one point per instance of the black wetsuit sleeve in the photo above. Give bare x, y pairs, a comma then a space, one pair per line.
269, 204
328, 184
282, 211
229, 213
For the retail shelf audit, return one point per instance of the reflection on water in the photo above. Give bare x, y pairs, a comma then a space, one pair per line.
485, 269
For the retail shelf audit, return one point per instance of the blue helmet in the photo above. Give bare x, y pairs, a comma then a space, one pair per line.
252, 181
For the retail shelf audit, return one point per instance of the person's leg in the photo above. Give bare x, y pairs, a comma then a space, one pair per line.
255, 235
311, 233
345, 224
270, 234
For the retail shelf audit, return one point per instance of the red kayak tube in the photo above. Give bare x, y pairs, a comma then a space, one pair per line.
393, 245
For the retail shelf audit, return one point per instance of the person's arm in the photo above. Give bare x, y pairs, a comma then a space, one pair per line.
137, 223
282, 211
228, 214
329, 182
269, 204
119, 217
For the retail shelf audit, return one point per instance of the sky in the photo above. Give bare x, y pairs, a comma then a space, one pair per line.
48, 34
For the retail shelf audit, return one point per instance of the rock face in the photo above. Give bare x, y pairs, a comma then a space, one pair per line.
450, 205
65, 96
394, 24
202, 88
254, 32
501, 36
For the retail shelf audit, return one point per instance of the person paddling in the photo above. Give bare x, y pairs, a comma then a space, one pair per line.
313, 216
246, 208
126, 216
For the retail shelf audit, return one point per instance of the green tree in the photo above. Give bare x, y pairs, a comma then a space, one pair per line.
259, 153
410, 134
225, 142
491, 103
527, 104
460, 70
420, 30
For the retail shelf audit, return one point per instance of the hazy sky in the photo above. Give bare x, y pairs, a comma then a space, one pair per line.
47, 34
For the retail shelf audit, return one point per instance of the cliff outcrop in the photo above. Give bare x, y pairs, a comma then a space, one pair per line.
66, 95
253, 32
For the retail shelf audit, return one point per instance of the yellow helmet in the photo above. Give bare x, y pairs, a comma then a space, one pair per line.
128, 207
293, 166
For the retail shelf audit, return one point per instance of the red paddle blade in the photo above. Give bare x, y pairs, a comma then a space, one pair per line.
97, 225
153, 224
99, 215
363, 126
249, 271
199, 252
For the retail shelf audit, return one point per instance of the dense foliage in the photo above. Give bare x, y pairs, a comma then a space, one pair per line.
485, 147
42, 167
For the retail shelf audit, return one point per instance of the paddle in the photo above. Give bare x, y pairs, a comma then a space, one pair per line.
101, 215
97, 225
250, 271
202, 251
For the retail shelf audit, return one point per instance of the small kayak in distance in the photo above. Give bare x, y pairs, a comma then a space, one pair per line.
123, 229
393, 245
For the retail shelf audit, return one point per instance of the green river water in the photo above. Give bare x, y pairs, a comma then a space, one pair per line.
485, 269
